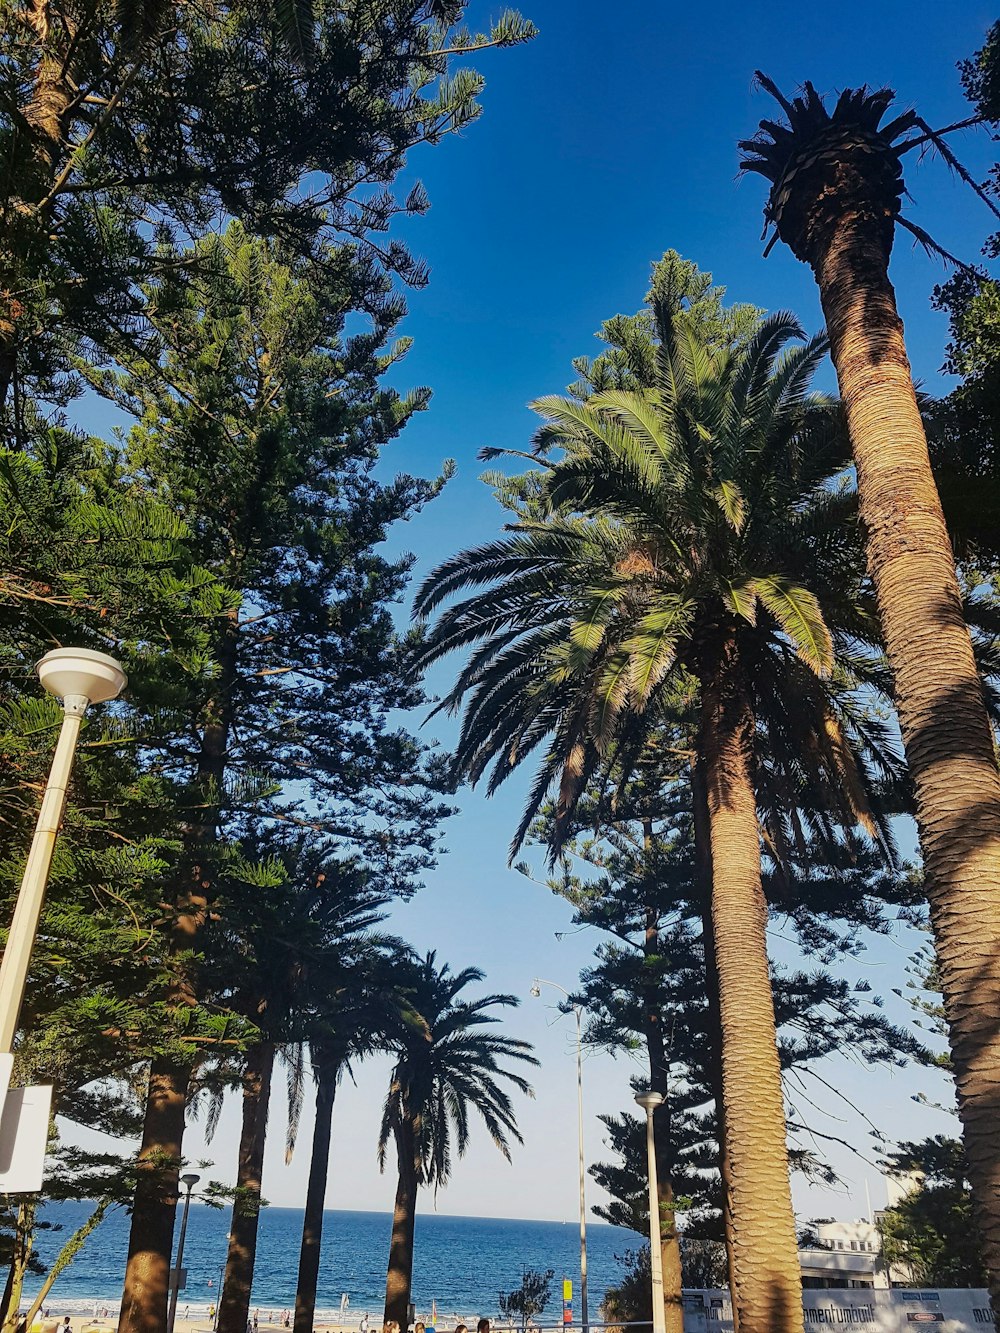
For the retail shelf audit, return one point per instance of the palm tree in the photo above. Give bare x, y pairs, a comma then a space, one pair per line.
362, 1006
446, 1063
290, 949
836, 185
701, 528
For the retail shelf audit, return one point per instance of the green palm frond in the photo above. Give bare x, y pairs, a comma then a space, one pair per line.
695, 494
798, 612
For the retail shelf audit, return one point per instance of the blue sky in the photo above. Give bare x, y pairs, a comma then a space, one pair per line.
608, 140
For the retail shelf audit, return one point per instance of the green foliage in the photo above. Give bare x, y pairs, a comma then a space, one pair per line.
448, 1062
631, 1300
529, 1299
124, 122
707, 503
932, 1230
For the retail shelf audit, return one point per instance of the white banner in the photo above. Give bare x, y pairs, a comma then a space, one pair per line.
954, 1310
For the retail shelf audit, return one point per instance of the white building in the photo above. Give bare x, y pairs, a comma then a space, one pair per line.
849, 1255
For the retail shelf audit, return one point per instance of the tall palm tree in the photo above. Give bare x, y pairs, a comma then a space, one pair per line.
696, 529
447, 1063
836, 184
291, 948
359, 1011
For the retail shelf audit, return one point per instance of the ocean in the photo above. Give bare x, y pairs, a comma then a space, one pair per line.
461, 1263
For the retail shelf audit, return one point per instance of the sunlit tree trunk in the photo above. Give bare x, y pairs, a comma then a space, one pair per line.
234, 1303
147, 1271
768, 1286
399, 1277
945, 728
670, 1251
703, 862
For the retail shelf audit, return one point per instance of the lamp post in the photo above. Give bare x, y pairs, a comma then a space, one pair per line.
80, 677
649, 1101
578, 1011
189, 1181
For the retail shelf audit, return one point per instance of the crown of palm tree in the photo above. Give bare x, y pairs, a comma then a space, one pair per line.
447, 1064
827, 167
711, 503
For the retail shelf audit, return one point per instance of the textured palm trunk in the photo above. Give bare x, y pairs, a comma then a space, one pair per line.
399, 1278
945, 729
312, 1222
670, 1250
147, 1271
703, 863
234, 1303
768, 1286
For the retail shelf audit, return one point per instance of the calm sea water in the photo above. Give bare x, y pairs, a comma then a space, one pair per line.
459, 1262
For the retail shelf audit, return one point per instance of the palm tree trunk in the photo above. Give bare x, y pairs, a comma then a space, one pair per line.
703, 864
670, 1251
147, 1270
234, 1303
312, 1222
945, 729
768, 1295
399, 1277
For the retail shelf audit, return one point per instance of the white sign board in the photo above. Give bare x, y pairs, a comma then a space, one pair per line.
954, 1310
861, 1308
24, 1134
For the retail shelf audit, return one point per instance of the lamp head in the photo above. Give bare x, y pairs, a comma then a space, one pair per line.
649, 1101
535, 991
81, 673
190, 1180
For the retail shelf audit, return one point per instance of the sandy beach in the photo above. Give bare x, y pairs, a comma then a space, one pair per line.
87, 1324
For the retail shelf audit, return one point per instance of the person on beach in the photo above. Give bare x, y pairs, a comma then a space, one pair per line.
363, 1326
419, 1328
67, 1324
483, 1326
390, 1326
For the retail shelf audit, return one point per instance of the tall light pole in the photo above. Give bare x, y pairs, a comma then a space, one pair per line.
189, 1181
649, 1101
578, 1011
80, 677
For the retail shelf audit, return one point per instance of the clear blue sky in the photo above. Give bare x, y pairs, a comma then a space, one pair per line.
609, 139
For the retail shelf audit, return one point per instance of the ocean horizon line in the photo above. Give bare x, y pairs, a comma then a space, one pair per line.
387, 1212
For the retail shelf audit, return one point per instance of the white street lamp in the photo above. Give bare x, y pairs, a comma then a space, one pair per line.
80, 677
188, 1181
649, 1101
578, 1011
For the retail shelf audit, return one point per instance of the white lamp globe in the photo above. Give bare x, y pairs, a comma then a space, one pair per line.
81, 673
649, 1101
